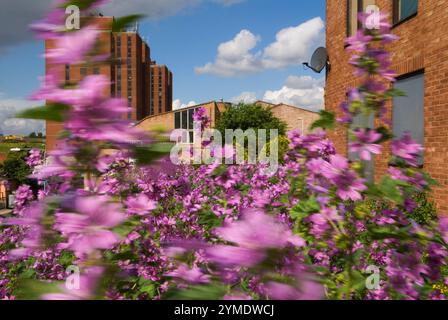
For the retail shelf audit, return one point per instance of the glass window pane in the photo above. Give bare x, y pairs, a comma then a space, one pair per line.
408, 8
361, 121
184, 120
190, 119
191, 137
408, 111
177, 120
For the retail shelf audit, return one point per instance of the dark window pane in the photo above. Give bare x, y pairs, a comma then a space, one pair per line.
184, 120
177, 120
191, 137
190, 119
408, 112
67, 72
408, 8
361, 121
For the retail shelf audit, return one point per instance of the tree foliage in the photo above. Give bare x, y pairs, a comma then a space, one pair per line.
249, 116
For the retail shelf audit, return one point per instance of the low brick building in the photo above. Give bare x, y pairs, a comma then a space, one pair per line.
421, 59
295, 118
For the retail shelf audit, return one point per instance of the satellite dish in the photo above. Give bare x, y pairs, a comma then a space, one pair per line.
319, 60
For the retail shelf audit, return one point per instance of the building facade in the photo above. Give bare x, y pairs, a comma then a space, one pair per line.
161, 89
420, 57
130, 73
295, 118
182, 118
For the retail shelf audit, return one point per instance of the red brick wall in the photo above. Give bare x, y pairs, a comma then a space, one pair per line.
160, 74
423, 45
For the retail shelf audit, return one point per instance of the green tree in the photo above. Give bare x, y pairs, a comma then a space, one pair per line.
15, 170
249, 116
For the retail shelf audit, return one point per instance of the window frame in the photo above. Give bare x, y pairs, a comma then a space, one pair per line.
407, 76
397, 20
359, 4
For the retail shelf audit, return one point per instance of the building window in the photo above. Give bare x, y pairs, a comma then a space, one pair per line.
96, 70
354, 8
408, 111
190, 119
184, 120
67, 72
83, 72
404, 9
177, 120
362, 121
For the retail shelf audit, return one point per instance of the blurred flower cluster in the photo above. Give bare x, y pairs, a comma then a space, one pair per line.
309, 231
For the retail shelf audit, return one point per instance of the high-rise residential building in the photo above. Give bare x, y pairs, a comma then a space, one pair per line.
129, 73
161, 89
419, 57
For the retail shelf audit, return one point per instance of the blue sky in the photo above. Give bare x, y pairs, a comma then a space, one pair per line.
188, 38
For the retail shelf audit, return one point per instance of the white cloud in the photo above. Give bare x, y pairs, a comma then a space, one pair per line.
304, 92
10, 125
245, 97
177, 104
234, 57
292, 46
300, 91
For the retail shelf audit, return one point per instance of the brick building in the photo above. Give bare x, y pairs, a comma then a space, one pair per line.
130, 73
295, 118
420, 58
161, 89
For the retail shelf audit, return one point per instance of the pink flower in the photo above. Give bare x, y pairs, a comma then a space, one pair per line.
72, 47
366, 143
140, 205
31, 218
87, 228
407, 149
347, 182
193, 275
257, 230
304, 289
88, 286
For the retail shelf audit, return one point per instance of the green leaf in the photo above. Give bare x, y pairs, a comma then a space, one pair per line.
127, 227
147, 154
327, 120
203, 292
386, 134
51, 112
305, 208
209, 219
389, 189
389, 233
28, 289
121, 23
147, 287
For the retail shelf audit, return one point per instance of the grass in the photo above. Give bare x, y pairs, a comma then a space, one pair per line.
5, 147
